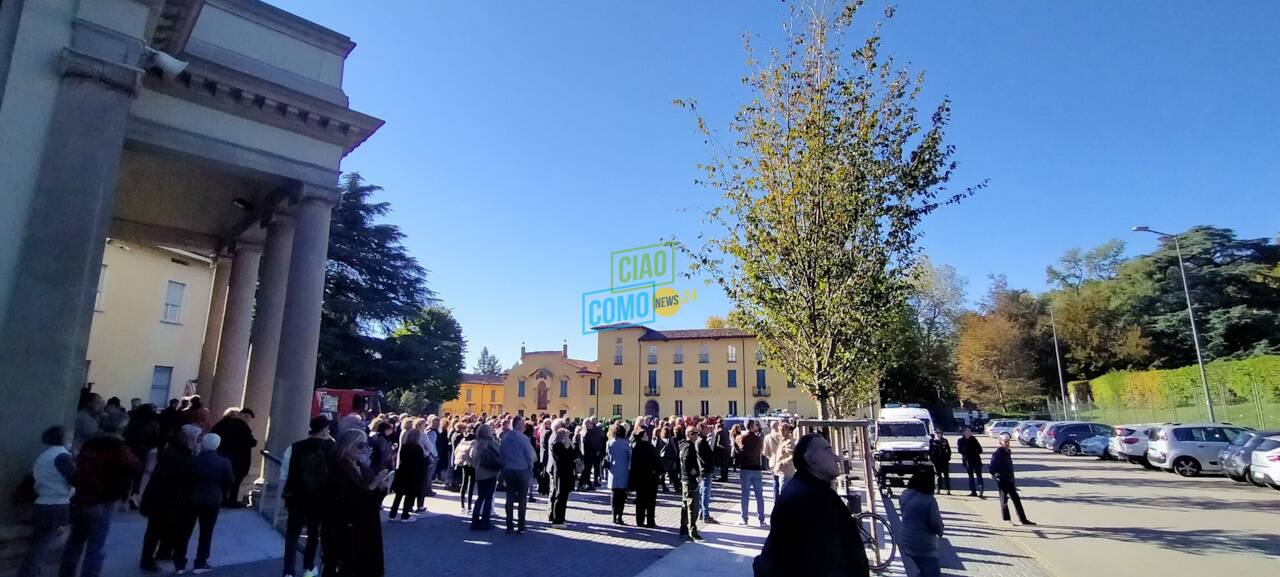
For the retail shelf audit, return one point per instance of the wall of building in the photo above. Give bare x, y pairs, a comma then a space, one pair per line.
130, 337
742, 399
258, 38
485, 398
548, 368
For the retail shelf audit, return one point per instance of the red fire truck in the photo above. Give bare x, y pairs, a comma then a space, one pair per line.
336, 403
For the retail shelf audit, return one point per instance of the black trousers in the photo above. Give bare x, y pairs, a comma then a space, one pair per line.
207, 515
619, 502
646, 505
157, 541
561, 486
395, 504
942, 470
301, 514
976, 483
1009, 491
466, 492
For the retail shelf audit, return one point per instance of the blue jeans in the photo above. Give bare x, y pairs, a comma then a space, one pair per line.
49, 520
518, 482
89, 527
749, 480
706, 492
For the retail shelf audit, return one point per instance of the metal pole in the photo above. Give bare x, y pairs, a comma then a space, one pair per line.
1057, 358
1195, 336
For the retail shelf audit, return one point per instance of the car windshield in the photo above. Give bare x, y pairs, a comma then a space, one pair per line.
1267, 445
1241, 439
901, 430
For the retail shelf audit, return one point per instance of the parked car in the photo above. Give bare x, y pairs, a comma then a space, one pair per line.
1003, 427
1190, 449
1045, 436
1098, 446
1238, 456
1067, 437
1029, 431
1130, 443
1264, 467
1021, 427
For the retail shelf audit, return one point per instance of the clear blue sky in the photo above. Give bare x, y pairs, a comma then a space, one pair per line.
526, 140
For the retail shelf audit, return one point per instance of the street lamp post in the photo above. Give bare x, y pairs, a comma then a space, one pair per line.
1057, 358
1195, 337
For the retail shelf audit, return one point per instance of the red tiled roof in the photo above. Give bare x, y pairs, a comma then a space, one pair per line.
483, 379
683, 334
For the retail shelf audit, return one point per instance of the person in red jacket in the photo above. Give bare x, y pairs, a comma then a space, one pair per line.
104, 473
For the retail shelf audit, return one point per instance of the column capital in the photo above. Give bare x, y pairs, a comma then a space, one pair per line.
303, 191
244, 246
104, 54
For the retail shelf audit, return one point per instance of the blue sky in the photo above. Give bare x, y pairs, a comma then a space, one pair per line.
525, 141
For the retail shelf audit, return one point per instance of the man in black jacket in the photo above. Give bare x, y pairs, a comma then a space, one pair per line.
305, 484
812, 532
971, 456
940, 456
690, 490
1002, 471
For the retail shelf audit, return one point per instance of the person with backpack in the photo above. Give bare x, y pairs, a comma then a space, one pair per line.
51, 478
466, 469
488, 463
306, 477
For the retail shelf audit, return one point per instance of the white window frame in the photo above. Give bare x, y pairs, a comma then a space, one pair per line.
172, 312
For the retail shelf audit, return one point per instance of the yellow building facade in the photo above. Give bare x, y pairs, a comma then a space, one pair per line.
691, 372
478, 394
643, 371
552, 382
148, 322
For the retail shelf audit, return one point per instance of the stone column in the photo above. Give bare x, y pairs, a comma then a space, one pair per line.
44, 328
213, 327
300, 327
233, 346
273, 279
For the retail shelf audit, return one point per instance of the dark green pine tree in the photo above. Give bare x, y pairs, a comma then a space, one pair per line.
488, 364
372, 286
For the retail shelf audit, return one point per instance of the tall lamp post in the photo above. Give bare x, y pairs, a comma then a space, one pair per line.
1195, 337
1057, 358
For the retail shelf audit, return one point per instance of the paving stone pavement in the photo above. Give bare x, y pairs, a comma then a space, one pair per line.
441, 543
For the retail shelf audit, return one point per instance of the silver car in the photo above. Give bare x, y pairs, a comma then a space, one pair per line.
1238, 456
1190, 449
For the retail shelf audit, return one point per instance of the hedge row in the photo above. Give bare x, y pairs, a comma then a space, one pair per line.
1181, 387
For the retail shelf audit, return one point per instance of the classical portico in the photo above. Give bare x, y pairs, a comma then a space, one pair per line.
234, 155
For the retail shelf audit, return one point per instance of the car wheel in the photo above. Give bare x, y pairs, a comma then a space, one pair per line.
1146, 463
1186, 467
1235, 478
1070, 449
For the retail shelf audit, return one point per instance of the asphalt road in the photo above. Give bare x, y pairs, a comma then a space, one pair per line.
1111, 518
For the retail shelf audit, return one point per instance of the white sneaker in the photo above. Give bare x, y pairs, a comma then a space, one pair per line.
309, 573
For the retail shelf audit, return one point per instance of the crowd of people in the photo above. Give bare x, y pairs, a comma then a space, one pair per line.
174, 466
179, 469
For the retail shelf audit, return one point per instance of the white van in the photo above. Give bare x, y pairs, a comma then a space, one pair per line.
907, 414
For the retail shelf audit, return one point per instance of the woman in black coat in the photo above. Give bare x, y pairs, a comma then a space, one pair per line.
646, 469
669, 453
564, 459
410, 475
352, 531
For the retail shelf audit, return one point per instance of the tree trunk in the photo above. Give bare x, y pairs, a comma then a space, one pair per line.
824, 408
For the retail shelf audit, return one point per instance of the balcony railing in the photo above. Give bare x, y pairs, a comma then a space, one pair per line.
760, 392
678, 359
704, 358
651, 391
617, 359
